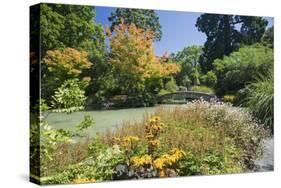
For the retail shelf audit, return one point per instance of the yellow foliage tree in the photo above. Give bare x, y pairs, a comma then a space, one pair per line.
133, 58
61, 65
68, 61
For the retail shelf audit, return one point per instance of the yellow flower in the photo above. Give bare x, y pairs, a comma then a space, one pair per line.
156, 118
141, 161
177, 153
168, 159
149, 135
162, 173
131, 139
83, 180
156, 127
154, 142
126, 141
152, 121
158, 163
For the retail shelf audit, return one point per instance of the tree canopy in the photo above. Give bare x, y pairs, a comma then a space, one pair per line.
73, 46
226, 33
240, 68
188, 58
62, 65
142, 18
133, 60
70, 26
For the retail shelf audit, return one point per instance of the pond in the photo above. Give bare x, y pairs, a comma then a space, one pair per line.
104, 119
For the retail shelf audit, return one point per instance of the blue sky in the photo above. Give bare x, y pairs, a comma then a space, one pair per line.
178, 29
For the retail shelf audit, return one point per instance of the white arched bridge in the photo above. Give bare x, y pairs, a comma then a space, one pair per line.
187, 95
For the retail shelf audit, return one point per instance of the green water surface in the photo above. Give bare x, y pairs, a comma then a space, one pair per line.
104, 119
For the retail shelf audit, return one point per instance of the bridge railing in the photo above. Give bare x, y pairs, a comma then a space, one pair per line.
188, 95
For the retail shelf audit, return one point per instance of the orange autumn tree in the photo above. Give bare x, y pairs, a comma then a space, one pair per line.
68, 62
61, 65
134, 62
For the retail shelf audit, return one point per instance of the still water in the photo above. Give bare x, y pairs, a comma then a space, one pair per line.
104, 119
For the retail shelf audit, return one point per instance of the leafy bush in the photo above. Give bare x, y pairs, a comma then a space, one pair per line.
54, 142
189, 165
237, 125
235, 71
185, 81
171, 86
99, 168
203, 89
209, 79
44, 140
48, 144
70, 96
103, 166
188, 58
260, 100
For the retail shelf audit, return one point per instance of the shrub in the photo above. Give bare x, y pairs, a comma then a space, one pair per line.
142, 157
171, 86
186, 81
189, 165
235, 123
203, 89
209, 79
85, 123
100, 168
52, 150
70, 96
260, 100
235, 71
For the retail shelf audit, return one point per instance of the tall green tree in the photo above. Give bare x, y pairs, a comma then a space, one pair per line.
252, 28
144, 19
226, 33
71, 26
189, 60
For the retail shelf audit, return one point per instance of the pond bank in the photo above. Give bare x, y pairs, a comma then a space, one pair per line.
266, 163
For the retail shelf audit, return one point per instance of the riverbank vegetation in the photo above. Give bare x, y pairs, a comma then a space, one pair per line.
199, 138
85, 65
